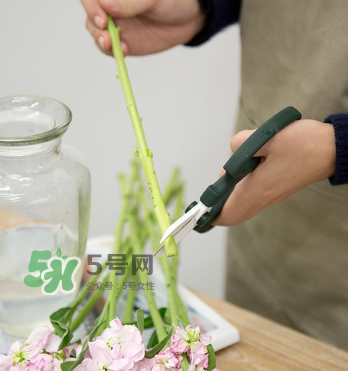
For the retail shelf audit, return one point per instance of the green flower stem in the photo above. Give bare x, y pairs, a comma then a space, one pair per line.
180, 205
172, 187
179, 210
163, 260
82, 294
137, 248
128, 312
98, 293
88, 306
145, 155
182, 311
126, 188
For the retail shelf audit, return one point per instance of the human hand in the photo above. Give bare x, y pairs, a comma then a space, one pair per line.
302, 153
147, 26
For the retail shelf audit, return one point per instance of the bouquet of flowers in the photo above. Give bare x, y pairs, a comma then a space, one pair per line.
118, 347
113, 344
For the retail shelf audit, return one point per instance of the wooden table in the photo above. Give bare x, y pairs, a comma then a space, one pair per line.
266, 345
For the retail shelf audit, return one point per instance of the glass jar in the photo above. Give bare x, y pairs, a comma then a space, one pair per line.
44, 213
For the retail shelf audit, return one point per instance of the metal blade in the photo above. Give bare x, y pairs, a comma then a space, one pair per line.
181, 222
160, 252
179, 236
183, 226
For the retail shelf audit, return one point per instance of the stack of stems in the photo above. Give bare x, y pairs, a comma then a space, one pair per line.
138, 235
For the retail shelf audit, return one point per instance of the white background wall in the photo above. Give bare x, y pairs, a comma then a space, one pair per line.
187, 97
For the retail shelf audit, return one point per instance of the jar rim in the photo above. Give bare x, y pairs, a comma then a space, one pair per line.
62, 119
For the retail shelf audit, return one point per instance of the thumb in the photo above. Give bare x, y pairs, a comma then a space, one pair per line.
127, 8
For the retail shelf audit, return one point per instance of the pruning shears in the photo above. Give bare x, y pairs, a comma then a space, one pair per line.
200, 215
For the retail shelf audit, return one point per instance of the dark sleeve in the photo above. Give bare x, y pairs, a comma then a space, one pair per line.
340, 124
220, 13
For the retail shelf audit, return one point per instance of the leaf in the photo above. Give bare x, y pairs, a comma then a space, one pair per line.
64, 257
67, 366
185, 363
211, 358
153, 340
157, 348
59, 252
58, 321
140, 320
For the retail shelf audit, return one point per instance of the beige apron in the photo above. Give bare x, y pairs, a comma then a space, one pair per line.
290, 261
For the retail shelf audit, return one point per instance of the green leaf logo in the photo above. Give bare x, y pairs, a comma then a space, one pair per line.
59, 252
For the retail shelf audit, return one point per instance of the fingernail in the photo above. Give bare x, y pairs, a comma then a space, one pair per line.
101, 41
98, 20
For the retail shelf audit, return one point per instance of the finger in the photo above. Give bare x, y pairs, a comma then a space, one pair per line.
222, 172
127, 8
101, 37
95, 13
245, 201
239, 138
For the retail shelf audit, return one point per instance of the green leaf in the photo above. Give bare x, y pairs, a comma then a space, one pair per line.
64, 257
140, 320
67, 366
157, 348
59, 252
59, 314
211, 358
153, 340
58, 321
185, 363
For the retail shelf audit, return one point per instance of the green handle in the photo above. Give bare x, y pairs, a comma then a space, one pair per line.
241, 163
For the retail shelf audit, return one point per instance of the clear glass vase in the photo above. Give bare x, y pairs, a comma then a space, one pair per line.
44, 214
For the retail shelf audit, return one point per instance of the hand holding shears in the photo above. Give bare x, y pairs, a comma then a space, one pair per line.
200, 215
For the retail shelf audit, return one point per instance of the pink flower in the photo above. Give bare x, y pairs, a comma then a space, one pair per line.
184, 340
102, 359
198, 355
205, 339
21, 353
41, 362
5, 362
192, 367
39, 337
124, 341
144, 365
167, 360
53, 343
179, 341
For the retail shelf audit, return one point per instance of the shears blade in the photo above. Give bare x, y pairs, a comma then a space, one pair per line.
183, 225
